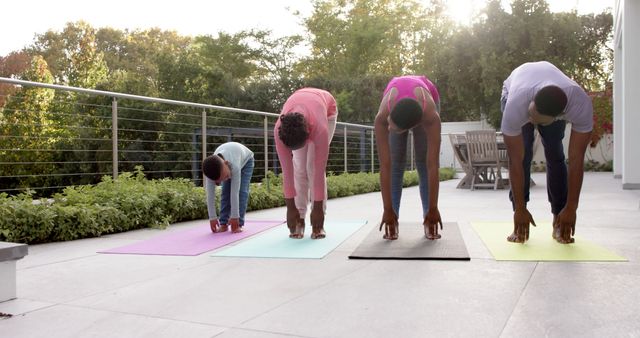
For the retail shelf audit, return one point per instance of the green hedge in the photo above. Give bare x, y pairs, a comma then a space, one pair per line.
134, 202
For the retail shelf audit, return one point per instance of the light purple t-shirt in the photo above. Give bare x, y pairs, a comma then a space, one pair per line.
524, 82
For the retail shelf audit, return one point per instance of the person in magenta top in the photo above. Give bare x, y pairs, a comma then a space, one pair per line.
409, 103
302, 134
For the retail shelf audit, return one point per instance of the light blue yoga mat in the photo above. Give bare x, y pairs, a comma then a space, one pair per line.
275, 243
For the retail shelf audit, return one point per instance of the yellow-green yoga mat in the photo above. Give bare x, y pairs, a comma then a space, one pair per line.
540, 246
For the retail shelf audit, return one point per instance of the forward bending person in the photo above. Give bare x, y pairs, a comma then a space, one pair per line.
409, 103
232, 166
303, 133
537, 95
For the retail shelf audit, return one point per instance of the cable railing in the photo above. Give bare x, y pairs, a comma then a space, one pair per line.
76, 136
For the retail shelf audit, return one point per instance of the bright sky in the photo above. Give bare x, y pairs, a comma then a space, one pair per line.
22, 20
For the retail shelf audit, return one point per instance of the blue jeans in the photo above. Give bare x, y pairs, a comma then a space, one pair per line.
557, 185
398, 150
225, 197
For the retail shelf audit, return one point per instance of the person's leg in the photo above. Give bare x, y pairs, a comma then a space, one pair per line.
301, 179
245, 184
301, 185
398, 152
557, 185
528, 138
225, 205
420, 148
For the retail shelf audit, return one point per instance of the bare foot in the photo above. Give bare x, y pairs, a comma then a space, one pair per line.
297, 232
223, 228
318, 233
515, 239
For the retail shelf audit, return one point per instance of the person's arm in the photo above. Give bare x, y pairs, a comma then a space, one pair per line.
521, 216
566, 220
381, 129
320, 142
433, 161
285, 155
433, 127
210, 188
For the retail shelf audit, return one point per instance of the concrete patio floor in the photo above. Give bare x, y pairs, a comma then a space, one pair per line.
68, 290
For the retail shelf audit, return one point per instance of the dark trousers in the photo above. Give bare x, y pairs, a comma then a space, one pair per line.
552, 136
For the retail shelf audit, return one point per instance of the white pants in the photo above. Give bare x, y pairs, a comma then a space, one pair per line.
303, 169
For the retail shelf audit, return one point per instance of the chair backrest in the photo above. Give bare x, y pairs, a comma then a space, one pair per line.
502, 151
458, 143
482, 147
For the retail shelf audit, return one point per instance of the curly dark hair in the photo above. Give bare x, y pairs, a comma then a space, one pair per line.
550, 101
293, 130
406, 114
212, 166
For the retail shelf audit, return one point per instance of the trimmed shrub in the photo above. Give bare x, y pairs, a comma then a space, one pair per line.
134, 202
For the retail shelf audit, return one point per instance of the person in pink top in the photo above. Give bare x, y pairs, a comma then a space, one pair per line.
302, 134
409, 103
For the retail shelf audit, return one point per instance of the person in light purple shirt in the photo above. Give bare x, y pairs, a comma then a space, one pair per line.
538, 96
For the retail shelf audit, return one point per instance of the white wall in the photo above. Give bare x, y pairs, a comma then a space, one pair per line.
631, 97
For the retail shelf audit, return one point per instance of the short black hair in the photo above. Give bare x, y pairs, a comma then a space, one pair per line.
550, 101
293, 130
212, 167
406, 114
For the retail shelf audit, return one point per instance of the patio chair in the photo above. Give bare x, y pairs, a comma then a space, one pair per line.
459, 145
484, 159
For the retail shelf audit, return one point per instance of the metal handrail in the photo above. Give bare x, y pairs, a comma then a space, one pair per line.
154, 99
267, 127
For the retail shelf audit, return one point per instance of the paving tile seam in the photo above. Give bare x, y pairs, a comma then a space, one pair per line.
515, 305
57, 262
159, 276
318, 289
148, 316
52, 304
264, 331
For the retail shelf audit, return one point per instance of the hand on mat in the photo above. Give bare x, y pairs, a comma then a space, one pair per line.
431, 221
317, 220
564, 226
235, 225
521, 220
390, 223
214, 225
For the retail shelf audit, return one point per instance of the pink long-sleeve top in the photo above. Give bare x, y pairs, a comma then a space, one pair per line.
317, 106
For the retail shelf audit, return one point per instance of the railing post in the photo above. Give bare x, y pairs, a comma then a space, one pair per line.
204, 136
266, 152
345, 150
363, 150
372, 137
412, 150
114, 137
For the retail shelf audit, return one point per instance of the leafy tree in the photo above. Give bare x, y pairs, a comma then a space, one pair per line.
28, 131
11, 65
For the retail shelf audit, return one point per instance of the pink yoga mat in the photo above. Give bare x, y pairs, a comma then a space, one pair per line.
192, 242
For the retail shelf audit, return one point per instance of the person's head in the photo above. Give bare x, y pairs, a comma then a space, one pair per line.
405, 115
216, 168
293, 131
548, 103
